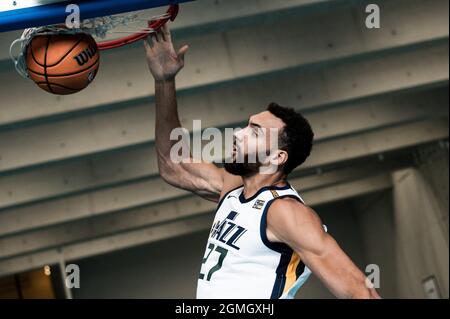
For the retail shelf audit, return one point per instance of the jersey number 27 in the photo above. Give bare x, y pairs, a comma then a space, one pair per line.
223, 253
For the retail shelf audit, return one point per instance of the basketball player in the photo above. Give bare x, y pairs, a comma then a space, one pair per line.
265, 241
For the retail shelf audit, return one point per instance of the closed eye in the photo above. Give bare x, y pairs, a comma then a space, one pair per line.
256, 128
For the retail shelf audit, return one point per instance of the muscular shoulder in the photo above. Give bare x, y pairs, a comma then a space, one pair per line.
290, 209
287, 216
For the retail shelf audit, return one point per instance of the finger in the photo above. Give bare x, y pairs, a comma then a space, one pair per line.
147, 45
166, 32
182, 52
161, 35
157, 36
153, 40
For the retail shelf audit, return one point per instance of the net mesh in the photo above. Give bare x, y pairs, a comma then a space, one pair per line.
100, 28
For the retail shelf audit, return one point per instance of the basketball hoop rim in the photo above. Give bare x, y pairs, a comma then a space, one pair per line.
153, 26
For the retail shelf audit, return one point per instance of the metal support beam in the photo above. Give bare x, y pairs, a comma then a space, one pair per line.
62, 268
377, 142
348, 190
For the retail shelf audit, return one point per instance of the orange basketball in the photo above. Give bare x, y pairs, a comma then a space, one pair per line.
63, 64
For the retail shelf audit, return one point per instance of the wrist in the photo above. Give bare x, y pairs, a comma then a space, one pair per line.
165, 81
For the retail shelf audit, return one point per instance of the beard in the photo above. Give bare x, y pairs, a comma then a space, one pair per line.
243, 169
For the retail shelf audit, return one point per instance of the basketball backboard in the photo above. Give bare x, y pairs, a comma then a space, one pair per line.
22, 14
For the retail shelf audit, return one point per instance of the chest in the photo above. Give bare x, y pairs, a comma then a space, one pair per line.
237, 225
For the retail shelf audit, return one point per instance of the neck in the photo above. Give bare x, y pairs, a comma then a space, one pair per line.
255, 182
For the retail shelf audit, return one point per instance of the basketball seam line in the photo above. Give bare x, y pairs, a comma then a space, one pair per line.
64, 56
34, 58
67, 74
45, 67
55, 84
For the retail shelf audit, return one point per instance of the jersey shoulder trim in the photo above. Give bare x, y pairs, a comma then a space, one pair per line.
244, 200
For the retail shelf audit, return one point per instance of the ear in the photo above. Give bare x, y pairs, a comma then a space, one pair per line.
279, 158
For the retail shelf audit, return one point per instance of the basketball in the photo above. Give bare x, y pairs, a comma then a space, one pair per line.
63, 64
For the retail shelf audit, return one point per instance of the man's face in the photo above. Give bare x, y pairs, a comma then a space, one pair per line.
255, 144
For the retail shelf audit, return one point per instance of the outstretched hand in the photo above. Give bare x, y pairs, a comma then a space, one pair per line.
163, 61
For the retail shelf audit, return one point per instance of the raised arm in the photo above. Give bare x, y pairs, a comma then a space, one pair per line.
298, 226
204, 179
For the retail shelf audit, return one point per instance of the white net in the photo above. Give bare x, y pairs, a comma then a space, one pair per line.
18, 56
104, 26
100, 28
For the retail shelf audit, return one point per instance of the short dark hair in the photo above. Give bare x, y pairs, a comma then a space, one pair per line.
296, 138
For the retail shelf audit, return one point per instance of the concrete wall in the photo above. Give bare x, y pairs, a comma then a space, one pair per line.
340, 219
377, 228
433, 167
166, 269
405, 232
421, 235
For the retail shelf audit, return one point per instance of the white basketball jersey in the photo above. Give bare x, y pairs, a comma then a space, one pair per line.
240, 262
